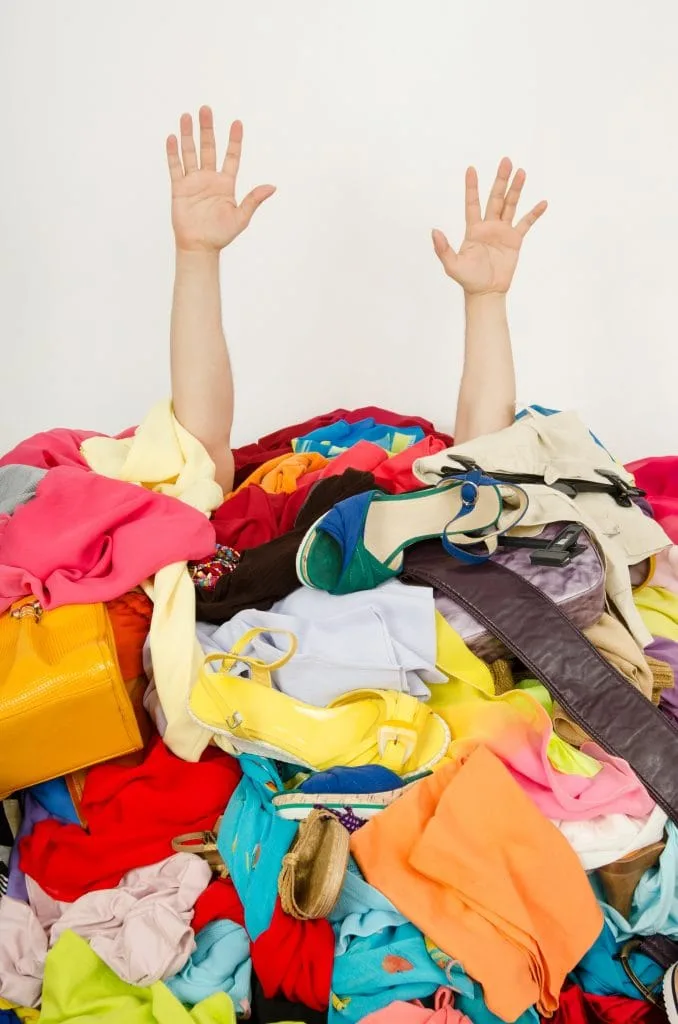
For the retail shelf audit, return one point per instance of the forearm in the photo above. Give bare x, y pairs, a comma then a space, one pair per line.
202, 383
487, 394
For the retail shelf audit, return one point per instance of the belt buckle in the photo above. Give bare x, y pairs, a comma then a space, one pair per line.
651, 993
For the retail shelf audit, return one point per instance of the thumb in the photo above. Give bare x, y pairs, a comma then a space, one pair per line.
443, 249
254, 199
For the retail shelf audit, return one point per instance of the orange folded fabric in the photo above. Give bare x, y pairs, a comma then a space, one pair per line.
282, 474
468, 858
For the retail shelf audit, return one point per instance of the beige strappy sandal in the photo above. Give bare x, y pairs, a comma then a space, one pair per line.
203, 844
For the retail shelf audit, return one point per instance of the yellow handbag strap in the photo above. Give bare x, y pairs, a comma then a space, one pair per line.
260, 670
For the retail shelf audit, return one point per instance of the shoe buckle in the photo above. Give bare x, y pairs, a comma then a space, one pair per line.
235, 721
403, 736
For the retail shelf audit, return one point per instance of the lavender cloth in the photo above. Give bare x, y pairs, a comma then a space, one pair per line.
33, 813
666, 650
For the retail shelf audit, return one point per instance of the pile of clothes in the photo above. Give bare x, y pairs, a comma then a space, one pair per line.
386, 734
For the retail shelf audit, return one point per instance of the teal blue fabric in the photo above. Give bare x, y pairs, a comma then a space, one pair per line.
369, 930
475, 1008
655, 902
601, 973
253, 840
220, 963
54, 797
335, 438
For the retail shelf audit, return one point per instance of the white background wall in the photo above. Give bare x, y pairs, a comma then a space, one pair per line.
365, 114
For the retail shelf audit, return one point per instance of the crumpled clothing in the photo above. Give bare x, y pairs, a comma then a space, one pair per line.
18, 485
517, 728
165, 458
252, 517
392, 645
220, 962
23, 947
219, 901
467, 857
141, 929
33, 813
659, 610
8, 1017
279, 442
152, 802
50, 448
21, 1013
416, 1013
161, 456
285, 472
667, 651
294, 959
655, 902
79, 987
665, 573
658, 476
600, 970
253, 840
338, 437
603, 840
577, 1007
105, 537
379, 955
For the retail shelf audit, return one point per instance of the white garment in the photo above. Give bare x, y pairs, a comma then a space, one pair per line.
141, 929
383, 639
556, 447
603, 840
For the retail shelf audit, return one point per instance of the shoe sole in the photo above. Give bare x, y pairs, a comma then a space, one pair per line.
297, 807
670, 996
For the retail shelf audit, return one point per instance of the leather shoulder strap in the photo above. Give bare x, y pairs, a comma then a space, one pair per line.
594, 694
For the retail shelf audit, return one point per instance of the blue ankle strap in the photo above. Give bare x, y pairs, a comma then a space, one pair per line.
470, 484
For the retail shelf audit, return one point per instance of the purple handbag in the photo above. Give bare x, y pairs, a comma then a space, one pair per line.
577, 587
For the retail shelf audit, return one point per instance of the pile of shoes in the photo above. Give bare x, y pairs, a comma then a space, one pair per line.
386, 734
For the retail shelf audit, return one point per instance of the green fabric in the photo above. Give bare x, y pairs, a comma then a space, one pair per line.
80, 988
564, 757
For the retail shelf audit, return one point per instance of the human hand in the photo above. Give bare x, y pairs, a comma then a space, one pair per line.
206, 216
488, 256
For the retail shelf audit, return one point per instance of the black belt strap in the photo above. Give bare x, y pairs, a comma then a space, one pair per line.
592, 692
611, 484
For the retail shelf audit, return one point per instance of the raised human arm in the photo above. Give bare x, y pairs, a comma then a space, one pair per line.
206, 217
484, 267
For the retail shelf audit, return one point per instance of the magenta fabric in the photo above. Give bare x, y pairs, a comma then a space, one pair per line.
659, 477
85, 538
58, 447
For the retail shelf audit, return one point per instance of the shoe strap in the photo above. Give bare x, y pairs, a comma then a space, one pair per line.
470, 486
260, 670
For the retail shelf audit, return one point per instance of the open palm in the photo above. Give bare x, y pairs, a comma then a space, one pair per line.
488, 256
205, 212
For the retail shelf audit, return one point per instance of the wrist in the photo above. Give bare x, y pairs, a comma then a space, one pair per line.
197, 258
485, 300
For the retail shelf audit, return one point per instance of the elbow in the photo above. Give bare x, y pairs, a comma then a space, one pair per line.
224, 465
